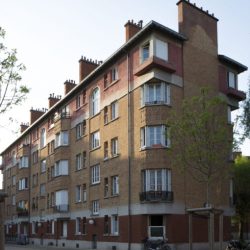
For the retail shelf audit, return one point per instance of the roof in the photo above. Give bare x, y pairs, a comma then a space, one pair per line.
238, 66
149, 27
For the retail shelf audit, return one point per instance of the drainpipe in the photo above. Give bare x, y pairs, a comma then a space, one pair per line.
129, 157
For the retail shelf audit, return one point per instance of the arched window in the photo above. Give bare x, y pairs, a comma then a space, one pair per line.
95, 101
43, 138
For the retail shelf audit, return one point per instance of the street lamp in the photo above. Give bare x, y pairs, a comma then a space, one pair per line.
2, 197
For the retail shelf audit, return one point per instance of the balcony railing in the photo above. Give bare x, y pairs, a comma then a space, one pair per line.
152, 196
61, 208
61, 115
22, 212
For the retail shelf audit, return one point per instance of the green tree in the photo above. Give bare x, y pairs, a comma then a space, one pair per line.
201, 136
12, 92
241, 173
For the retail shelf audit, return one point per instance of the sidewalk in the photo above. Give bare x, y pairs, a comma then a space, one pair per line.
35, 247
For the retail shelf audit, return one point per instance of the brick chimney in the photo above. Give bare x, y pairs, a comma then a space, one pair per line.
86, 66
191, 16
68, 85
23, 127
35, 114
53, 99
132, 28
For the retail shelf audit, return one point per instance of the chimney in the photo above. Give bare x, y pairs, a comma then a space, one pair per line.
190, 17
53, 99
23, 127
86, 66
132, 28
68, 85
35, 114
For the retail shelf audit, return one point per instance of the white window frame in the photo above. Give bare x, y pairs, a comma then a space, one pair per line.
79, 161
95, 207
232, 80
24, 162
114, 74
23, 184
61, 168
157, 180
155, 135
78, 194
145, 48
79, 131
115, 185
95, 140
84, 193
42, 189
62, 139
13, 200
95, 174
43, 138
78, 226
159, 94
95, 101
114, 224
114, 147
114, 110
43, 166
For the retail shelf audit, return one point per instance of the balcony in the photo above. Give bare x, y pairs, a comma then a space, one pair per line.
22, 212
62, 115
157, 196
63, 208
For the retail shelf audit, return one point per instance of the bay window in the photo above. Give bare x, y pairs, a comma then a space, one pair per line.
95, 101
95, 140
61, 168
62, 139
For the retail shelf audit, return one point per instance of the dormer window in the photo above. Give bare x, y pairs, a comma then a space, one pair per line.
232, 80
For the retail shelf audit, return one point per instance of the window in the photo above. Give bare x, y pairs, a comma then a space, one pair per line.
84, 96
106, 224
51, 120
95, 140
48, 201
42, 189
155, 93
13, 200
114, 225
51, 147
115, 185
13, 180
114, 110
78, 161
106, 187
84, 192
43, 166
62, 139
78, 101
84, 225
232, 80
106, 150
24, 162
105, 81
78, 193
35, 157
95, 207
154, 136
61, 168
78, 225
79, 132
156, 180
95, 174
106, 115
114, 74
43, 138
84, 159
114, 147
161, 50
23, 184
95, 101
61, 200
145, 52
23, 204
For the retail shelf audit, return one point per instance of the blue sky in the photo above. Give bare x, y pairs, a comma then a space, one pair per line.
51, 35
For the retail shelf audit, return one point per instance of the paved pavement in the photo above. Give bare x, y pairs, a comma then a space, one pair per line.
31, 247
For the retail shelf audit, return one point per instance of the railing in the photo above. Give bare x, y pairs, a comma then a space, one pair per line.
22, 212
157, 196
61, 116
61, 208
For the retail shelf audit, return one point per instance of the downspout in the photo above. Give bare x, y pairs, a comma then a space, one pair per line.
129, 157
29, 182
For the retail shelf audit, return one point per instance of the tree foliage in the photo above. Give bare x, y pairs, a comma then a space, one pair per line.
12, 92
201, 136
241, 173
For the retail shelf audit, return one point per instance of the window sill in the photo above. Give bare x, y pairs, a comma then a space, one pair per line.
93, 149
96, 183
115, 156
111, 84
154, 147
106, 159
116, 118
78, 202
114, 195
155, 104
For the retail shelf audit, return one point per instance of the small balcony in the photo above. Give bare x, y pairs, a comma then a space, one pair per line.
157, 196
22, 212
63, 208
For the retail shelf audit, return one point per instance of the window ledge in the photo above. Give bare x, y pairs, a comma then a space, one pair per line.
116, 118
114, 195
94, 184
154, 147
115, 156
111, 84
93, 149
106, 159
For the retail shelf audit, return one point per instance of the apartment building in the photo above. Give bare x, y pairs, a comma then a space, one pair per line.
93, 170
